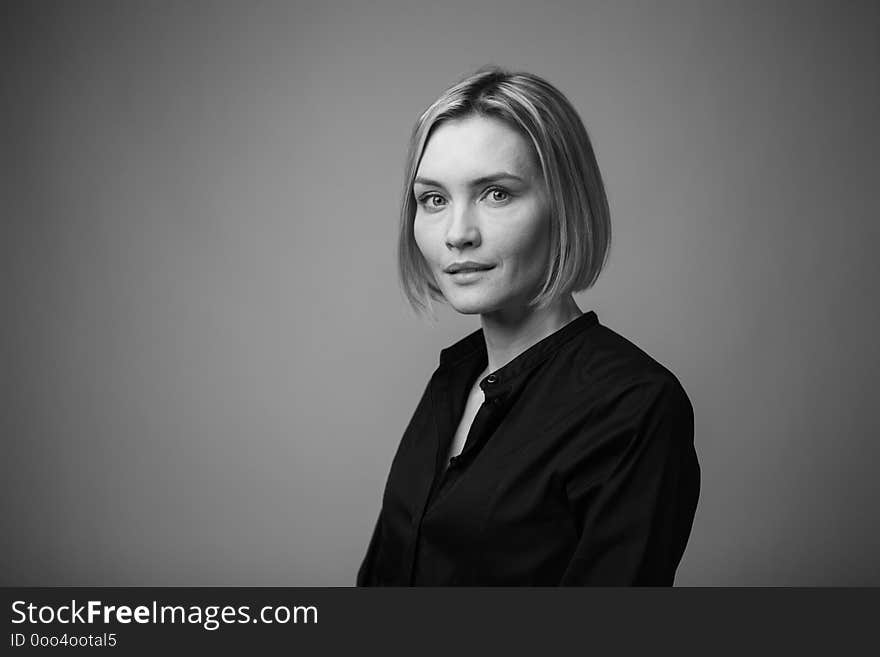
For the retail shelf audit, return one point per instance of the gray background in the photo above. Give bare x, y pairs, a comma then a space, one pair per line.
207, 363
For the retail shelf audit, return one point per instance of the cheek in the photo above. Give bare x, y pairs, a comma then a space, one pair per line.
529, 244
422, 237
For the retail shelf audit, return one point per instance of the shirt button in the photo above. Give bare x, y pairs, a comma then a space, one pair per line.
491, 378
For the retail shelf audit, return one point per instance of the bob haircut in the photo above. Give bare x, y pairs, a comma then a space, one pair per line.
580, 218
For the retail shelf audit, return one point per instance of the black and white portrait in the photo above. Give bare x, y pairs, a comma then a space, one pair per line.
439, 294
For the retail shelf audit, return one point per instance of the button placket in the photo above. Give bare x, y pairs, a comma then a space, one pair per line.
492, 398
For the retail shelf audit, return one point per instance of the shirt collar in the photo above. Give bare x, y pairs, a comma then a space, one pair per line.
474, 346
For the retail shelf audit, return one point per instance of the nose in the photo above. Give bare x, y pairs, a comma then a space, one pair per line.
462, 230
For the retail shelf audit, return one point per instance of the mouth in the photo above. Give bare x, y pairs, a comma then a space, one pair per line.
467, 268
468, 275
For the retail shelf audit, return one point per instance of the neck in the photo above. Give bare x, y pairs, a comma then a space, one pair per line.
508, 333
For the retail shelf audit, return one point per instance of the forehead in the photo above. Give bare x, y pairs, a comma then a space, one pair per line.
464, 149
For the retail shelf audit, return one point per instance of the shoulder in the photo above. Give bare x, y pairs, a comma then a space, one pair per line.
611, 364
629, 408
612, 381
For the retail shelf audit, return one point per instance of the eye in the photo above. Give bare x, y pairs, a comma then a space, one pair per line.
498, 195
432, 201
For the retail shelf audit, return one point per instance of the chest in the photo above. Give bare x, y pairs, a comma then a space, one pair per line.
506, 498
474, 401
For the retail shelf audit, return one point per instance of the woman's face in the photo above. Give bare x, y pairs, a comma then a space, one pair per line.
482, 201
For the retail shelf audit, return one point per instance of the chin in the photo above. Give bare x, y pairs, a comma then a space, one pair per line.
472, 306
468, 310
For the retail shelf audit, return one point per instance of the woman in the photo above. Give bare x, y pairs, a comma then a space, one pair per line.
546, 448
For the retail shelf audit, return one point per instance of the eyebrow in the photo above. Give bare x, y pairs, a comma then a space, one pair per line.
477, 182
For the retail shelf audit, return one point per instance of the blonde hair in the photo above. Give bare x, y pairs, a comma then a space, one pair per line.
579, 213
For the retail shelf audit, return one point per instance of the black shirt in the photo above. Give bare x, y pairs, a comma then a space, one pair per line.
579, 469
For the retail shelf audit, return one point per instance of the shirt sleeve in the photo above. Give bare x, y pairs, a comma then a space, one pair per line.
366, 574
634, 523
377, 569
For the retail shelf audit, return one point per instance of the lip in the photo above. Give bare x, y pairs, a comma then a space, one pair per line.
468, 267
467, 275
